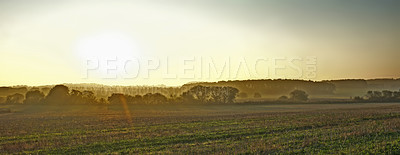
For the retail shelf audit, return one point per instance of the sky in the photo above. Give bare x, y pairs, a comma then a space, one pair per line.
173, 42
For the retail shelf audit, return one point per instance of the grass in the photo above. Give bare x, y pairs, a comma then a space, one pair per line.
188, 129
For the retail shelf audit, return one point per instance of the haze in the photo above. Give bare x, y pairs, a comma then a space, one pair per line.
48, 42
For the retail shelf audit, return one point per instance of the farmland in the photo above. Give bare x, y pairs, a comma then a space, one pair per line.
220, 129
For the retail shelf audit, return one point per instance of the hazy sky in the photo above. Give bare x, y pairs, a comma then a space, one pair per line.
50, 42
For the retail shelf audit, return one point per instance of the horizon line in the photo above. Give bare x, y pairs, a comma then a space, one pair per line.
192, 82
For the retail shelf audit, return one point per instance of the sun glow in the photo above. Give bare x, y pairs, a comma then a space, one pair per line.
104, 54
107, 45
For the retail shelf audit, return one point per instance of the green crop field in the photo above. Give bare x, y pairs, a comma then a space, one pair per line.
187, 129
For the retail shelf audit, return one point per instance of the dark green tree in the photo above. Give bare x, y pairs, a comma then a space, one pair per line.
59, 94
33, 97
16, 98
117, 99
155, 98
298, 95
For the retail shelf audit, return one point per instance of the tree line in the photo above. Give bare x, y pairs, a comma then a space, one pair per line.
62, 95
379, 96
295, 96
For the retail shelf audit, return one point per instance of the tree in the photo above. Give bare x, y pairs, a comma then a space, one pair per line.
387, 95
88, 97
216, 94
230, 94
374, 95
257, 95
396, 95
187, 97
33, 97
204, 94
85, 97
102, 101
76, 96
358, 98
117, 99
16, 98
156, 98
59, 94
200, 93
378, 95
298, 95
137, 99
283, 98
370, 95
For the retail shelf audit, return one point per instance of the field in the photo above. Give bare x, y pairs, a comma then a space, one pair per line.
187, 129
